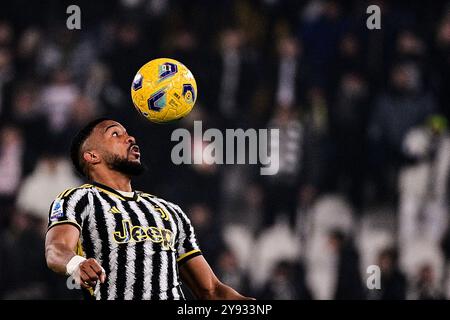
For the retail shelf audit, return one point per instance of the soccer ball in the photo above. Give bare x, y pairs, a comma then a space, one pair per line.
164, 90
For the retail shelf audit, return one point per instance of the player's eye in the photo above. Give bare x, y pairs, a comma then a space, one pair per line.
115, 134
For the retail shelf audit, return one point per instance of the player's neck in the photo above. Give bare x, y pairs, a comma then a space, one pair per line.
114, 179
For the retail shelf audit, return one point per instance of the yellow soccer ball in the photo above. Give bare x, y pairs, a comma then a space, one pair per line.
164, 90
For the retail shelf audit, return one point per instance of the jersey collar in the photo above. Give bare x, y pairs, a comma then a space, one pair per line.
107, 189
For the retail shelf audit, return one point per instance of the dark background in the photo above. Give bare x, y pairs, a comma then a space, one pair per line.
364, 145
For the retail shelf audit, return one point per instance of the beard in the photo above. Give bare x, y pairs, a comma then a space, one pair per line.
125, 166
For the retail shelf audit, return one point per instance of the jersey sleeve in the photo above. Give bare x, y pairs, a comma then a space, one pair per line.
186, 245
69, 207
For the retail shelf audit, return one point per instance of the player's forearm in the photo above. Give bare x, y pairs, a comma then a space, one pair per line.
223, 292
57, 256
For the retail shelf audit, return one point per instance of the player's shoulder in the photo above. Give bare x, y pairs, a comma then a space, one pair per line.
81, 190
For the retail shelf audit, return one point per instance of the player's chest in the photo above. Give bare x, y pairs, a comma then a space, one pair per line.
129, 225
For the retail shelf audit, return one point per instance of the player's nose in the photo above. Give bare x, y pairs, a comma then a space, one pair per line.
131, 140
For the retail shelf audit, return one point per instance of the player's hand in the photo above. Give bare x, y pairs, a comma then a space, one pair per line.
90, 271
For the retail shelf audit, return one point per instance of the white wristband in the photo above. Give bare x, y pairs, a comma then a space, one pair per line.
73, 264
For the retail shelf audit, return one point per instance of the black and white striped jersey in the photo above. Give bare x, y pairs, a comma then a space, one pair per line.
140, 241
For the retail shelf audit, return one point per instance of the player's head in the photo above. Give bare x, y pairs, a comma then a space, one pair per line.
105, 144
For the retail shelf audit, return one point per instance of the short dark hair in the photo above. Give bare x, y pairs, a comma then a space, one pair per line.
78, 141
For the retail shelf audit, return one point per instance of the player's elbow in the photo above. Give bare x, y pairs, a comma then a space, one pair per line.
51, 258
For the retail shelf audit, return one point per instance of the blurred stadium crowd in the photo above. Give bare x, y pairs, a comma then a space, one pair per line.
364, 138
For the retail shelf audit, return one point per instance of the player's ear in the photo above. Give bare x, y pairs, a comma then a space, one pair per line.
91, 157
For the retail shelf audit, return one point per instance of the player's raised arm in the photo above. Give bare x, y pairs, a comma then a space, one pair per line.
199, 277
